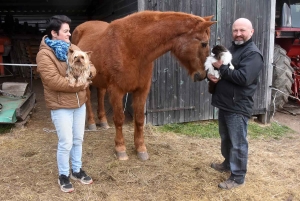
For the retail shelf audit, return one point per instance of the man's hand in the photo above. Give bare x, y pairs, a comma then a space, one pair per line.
212, 78
218, 64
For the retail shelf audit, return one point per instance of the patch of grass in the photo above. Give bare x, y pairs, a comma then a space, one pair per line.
273, 130
205, 129
209, 129
5, 128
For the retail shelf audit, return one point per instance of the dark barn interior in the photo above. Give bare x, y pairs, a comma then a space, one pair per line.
22, 25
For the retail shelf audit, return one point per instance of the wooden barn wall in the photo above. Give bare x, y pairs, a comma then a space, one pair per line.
174, 97
110, 10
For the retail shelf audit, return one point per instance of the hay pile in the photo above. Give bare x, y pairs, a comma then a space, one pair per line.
178, 169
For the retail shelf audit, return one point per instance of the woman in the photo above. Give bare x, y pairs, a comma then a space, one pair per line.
67, 104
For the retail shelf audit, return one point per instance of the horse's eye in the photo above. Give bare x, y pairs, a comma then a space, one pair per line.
204, 44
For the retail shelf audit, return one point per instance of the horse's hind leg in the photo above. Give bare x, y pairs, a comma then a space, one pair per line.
89, 110
139, 100
101, 108
116, 98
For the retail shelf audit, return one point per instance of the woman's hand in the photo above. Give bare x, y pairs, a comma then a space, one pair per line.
81, 86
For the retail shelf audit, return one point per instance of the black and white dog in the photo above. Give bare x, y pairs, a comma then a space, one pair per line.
218, 52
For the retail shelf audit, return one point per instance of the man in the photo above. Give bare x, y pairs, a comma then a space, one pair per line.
233, 96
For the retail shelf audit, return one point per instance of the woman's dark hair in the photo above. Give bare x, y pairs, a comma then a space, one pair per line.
55, 24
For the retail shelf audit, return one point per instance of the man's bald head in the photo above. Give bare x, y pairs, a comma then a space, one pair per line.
242, 30
243, 21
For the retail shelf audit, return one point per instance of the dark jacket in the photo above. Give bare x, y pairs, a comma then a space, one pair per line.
236, 88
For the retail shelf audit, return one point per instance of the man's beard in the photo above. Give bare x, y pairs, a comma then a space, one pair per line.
239, 42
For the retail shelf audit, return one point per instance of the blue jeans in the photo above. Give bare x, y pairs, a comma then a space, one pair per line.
69, 125
234, 143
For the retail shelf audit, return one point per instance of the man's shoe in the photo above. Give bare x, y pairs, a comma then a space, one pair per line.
229, 184
81, 176
219, 167
65, 184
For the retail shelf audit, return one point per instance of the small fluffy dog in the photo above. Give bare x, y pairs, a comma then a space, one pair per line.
219, 52
78, 72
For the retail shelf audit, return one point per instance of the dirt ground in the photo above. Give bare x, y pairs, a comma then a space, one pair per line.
178, 168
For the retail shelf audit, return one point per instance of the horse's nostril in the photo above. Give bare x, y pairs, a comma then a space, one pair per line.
197, 77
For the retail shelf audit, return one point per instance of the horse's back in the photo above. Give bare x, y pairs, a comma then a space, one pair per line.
87, 32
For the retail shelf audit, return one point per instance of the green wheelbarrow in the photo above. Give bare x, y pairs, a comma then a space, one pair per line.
16, 102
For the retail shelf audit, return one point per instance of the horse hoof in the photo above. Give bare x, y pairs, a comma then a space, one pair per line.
92, 127
143, 156
104, 125
122, 156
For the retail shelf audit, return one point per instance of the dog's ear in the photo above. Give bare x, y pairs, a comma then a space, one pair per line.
71, 50
89, 53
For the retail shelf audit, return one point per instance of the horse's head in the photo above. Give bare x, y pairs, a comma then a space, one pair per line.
192, 48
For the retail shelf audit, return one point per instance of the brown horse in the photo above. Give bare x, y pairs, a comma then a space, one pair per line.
123, 54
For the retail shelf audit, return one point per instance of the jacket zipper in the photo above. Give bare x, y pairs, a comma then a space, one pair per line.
77, 100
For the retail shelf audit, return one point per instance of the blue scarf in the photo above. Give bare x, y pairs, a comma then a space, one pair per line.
59, 47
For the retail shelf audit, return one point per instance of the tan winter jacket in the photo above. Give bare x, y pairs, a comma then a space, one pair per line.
58, 93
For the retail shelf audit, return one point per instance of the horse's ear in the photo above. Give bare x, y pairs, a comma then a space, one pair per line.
89, 53
207, 24
208, 18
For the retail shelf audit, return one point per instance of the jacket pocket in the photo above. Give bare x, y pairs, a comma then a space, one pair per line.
237, 94
234, 96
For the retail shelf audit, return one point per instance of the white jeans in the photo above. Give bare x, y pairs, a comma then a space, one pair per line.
69, 125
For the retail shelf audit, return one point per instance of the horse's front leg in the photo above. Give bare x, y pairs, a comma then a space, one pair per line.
89, 111
101, 108
139, 100
116, 98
